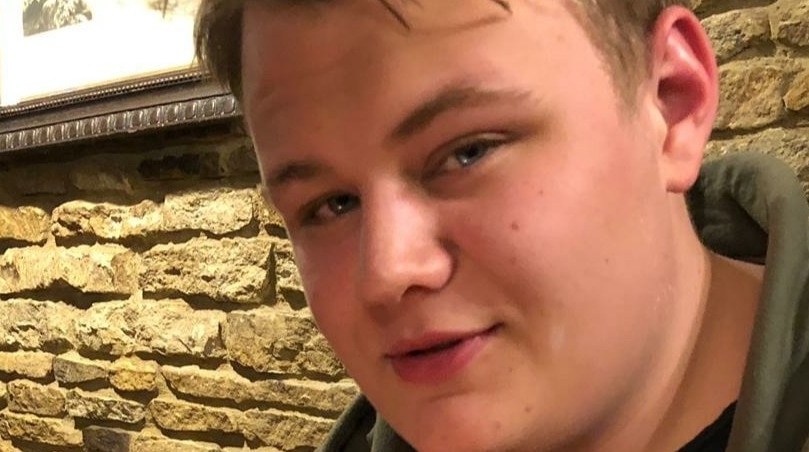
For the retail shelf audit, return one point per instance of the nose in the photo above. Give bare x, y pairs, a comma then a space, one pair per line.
401, 247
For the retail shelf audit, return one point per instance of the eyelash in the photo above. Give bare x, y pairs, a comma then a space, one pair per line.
490, 142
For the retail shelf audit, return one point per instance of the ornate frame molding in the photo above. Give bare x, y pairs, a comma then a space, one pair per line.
159, 103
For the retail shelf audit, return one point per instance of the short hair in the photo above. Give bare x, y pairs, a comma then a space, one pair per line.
619, 29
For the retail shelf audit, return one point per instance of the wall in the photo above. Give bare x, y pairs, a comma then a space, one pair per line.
149, 302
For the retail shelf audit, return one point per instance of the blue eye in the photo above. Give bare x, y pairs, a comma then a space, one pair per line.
333, 207
469, 154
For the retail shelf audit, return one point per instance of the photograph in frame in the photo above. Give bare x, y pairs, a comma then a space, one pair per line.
54, 47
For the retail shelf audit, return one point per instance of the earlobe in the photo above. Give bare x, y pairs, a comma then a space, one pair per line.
685, 73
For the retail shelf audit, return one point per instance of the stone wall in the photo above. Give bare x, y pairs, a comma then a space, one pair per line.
149, 300
150, 303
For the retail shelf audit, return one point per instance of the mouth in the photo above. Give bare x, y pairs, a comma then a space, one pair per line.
437, 357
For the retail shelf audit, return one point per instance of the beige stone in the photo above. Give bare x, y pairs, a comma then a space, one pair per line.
106, 221
26, 364
170, 445
219, 384
330, 398
36, 179
750, 93
7, 446
73, 368
228, 270
285, 430
56, 432
790, 22
218, 211
37, 325
132, 374
24, 224
102, 439
29, 397
101, 269
166, 327
272, 341
286, 271
735, 31
189, 417
104, 406
797, 97
95, 176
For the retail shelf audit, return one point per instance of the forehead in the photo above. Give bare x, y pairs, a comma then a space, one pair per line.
342, 56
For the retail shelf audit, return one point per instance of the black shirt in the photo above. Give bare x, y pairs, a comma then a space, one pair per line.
715, 436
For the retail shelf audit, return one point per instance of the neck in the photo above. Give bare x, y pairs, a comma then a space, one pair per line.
715, 368
699, 368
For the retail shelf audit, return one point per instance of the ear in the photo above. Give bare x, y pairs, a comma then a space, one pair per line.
685, 75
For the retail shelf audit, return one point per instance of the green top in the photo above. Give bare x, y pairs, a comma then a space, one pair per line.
742, 206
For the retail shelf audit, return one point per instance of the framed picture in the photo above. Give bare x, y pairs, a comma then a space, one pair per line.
50, 47
71, 64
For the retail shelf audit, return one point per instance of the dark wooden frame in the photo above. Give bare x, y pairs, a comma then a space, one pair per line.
184, 98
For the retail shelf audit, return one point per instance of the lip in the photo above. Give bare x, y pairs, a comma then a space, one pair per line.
436, 357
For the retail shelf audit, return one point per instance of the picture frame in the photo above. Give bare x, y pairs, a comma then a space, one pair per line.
113, 67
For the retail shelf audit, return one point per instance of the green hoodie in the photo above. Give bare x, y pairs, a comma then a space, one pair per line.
748, 207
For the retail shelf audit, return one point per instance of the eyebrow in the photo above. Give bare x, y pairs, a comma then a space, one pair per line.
297, 170
451, 98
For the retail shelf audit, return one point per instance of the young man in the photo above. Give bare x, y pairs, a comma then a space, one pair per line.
488, 207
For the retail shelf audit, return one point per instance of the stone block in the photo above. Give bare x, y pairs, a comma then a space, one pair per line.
72, 368
228, 270
37, 325
100, 269
286, 271
182, 416
167, 327
218, 211
132, 374
331, 398
797, 96
102, 439
24, 224
29, 397
26, 364
219, 384
751, 93
285, 430
273, 341
106, 221
55, 432
169, 445
790, 22
328, 398
735, 31
103, 406
95, 176
44, 179
8, 446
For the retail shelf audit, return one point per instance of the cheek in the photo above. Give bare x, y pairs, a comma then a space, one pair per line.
328, 281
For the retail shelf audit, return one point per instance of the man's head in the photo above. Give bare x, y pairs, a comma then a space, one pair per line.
618, 28
493, 246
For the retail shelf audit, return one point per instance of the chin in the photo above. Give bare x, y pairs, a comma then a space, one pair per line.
474, 430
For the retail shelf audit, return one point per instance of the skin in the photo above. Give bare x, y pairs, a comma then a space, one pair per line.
531, 202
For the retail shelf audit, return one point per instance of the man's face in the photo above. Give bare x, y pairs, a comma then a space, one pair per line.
482, 230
